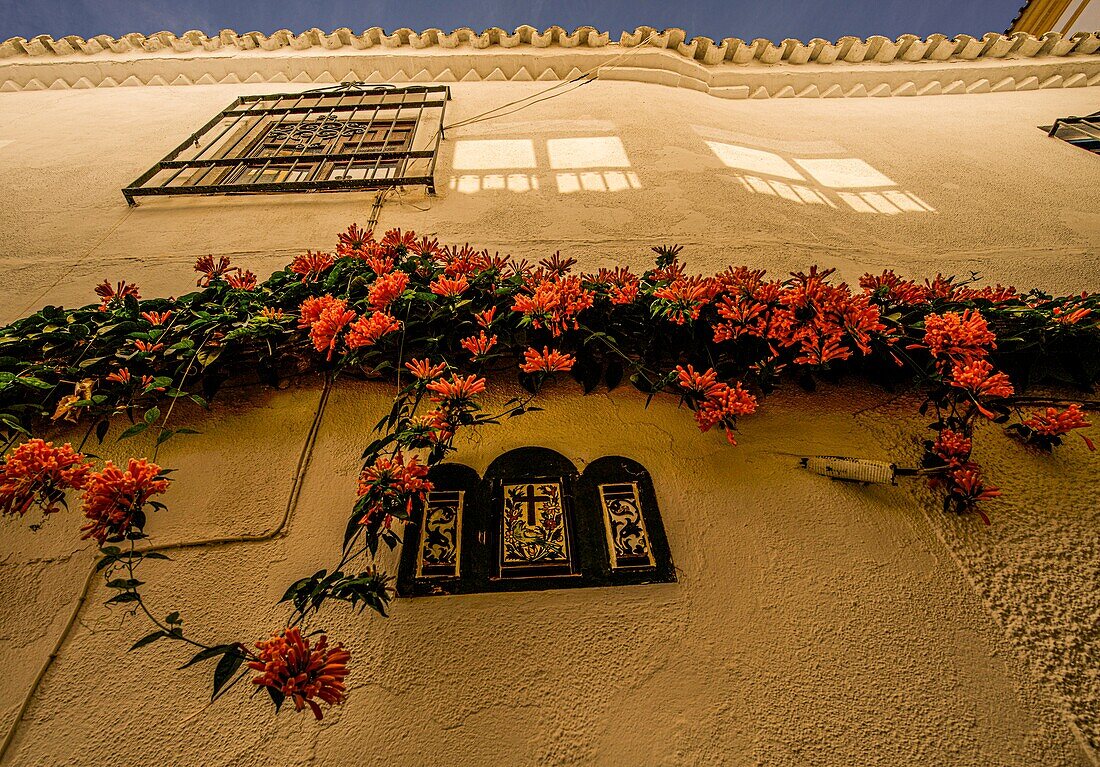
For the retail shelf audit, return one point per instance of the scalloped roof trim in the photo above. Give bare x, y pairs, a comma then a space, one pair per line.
846, 50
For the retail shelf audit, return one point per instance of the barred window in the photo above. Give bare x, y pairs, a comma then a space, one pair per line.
1079, 131
347, 137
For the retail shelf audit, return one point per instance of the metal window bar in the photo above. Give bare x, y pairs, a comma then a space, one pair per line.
1079, 131
232, 153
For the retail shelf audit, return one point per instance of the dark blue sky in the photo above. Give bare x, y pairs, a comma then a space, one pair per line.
747, 19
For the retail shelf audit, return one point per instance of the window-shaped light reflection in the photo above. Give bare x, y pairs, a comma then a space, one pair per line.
494, 154
597, 181
843, 173
889, 202
588, 152
471, 183
754, 160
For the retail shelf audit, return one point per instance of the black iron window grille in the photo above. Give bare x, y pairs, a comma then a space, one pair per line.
1079, 131
351, 136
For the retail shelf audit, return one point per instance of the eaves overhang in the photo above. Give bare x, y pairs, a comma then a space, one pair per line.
731, 68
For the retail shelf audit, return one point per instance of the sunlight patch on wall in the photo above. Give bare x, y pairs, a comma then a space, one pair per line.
754, 160
587, 152
596, 181
494, 154
471, 183
769, 173
844, 173
5, 142
585, 164
890, 203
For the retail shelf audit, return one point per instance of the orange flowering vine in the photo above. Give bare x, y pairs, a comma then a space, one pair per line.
479, 345
366, 331
111, 295
1045, 428
37, 473
114, 499
312, 265
386, 289
291, 668
546, 361
746, 328
449, 288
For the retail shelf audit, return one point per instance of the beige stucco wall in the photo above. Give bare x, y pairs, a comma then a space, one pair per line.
813, 622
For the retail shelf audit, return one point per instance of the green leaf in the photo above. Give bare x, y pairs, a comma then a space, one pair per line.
208, 356
101, 429
147, 640
276, 697
133, 431
227, 666
210, 652
152, 414
164, 436
36, 383
157, 555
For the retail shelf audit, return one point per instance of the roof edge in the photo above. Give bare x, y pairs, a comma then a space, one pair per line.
703, 50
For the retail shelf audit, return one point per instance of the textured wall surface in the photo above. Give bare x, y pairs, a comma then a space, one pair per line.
814, 622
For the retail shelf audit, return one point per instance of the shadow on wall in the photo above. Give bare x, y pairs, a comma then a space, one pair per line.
580, 164
817, 181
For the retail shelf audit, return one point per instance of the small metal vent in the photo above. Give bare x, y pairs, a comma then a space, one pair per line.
348, 137
852, 469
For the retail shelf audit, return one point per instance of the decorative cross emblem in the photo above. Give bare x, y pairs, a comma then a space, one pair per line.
532, 499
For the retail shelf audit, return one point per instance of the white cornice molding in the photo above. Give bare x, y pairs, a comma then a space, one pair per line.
850, 67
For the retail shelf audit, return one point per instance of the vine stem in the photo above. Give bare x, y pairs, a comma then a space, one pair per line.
145, 609
638, 366
183, 382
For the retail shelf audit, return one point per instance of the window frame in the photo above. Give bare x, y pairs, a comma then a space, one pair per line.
1088, 126
216, 158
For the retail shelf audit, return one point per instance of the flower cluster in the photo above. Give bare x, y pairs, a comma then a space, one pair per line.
979, 380
391, 486
715, 403
553, 301
291, 668
546, 361
818, 321
242, 280
957, 338
114, 500
312, 265
115, 295
1045, 428
479, 345
326, 317
37, 474
386, 289
621, 285
684, 297
367, 330
210, 270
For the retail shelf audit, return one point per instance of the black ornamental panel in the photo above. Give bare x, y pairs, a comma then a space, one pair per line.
534, 522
